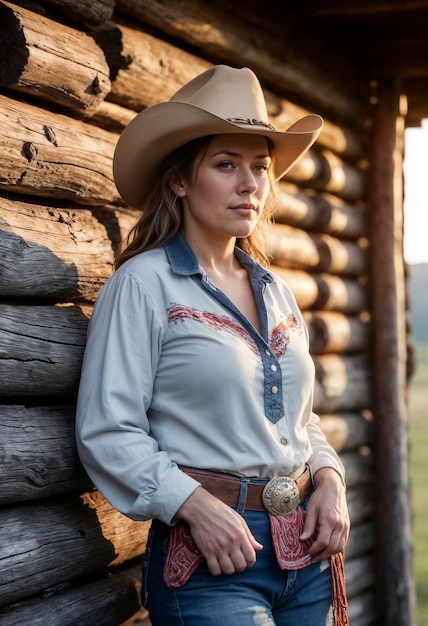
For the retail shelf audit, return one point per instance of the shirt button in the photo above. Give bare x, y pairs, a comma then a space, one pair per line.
273, 367
284, 441
274, 389
267, 352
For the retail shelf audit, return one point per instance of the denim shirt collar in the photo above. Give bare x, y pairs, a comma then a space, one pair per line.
183, 261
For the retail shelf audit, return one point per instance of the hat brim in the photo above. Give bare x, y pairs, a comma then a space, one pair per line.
159, 130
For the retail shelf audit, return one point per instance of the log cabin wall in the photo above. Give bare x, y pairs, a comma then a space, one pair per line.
72, 76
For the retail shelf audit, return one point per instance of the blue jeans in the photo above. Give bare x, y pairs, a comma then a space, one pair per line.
261, 595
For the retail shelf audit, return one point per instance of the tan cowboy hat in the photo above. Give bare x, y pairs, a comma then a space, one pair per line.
222, 100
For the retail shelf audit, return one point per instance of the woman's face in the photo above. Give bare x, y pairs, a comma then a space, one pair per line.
228, 190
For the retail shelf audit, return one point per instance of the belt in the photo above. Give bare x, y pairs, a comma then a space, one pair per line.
280, 496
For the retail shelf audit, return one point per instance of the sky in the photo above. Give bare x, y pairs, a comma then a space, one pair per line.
416, 194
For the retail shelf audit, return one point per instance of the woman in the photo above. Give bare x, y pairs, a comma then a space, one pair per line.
195, 402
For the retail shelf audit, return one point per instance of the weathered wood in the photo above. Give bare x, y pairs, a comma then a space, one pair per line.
293, 247
59, 253
84, 12
224, 35
51, 155
112, 117
41, 349
341, 384
362, 609
361, 503
394, 541
319, 212
348, 431
335, 332
360, 575
145, 69
361, 540
112, 598
327, 172
52, 542
325, 291
38, 453
51, 61
358, 467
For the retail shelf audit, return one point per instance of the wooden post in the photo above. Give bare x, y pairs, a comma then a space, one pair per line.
393, 542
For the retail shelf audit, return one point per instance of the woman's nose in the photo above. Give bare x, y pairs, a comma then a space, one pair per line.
247, 181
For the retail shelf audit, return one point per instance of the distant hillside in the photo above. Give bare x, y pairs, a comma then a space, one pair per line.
418, 294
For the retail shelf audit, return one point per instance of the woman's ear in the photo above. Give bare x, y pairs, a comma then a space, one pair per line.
177, 186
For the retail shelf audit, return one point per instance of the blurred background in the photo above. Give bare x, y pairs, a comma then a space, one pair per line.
416, 254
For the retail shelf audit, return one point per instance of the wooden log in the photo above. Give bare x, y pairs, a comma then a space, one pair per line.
84, 12
59, 253
112, 117
296, 248
335, 332
362, 610
359, 468
52, 542
41, 349
327, 172
113, 598
51, 155
342, 383
325, 291
319, 212
54, 62
38, 453
360, 575
361, 540
348, 431
227, 36
361, 503
145, 69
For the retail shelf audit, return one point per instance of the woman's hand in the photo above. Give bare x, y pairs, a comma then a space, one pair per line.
220, 533
327, 519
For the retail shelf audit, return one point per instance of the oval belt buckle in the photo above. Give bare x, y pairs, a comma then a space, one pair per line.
281, 495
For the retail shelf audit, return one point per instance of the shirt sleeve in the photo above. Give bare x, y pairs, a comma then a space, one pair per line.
112, 429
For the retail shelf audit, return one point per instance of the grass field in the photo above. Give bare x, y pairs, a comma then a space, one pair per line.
418, 435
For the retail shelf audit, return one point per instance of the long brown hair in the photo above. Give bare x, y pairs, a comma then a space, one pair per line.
162, 215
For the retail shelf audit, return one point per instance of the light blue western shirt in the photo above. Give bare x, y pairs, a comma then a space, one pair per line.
174, 374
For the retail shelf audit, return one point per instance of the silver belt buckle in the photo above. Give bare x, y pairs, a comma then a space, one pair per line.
281, 495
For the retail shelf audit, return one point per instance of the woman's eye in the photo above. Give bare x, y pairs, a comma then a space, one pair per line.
225, 165
262, 167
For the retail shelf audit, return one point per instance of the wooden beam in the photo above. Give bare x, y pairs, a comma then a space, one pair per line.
54, 62
394, 545
51, 155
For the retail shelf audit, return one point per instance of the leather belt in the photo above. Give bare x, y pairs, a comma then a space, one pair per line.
280, 496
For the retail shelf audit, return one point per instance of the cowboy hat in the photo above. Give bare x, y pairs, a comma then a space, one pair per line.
221, 100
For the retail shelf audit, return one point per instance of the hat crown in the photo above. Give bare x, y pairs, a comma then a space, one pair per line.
227, 93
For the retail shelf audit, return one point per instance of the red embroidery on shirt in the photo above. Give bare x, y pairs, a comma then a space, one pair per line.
279, 337
218, 322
